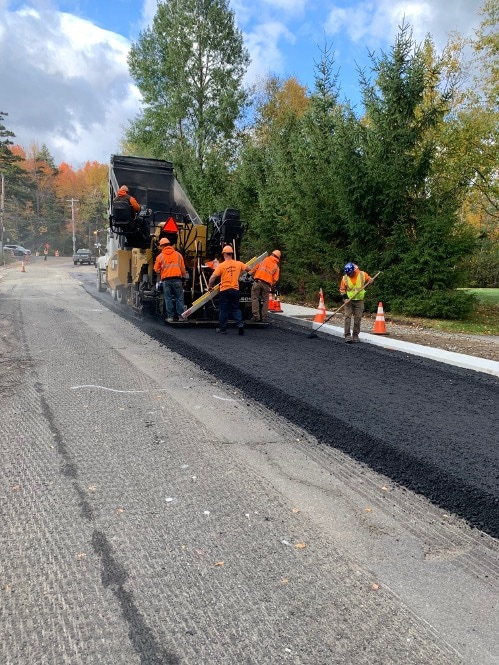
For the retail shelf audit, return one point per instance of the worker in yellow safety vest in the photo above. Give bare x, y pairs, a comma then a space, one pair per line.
353, 292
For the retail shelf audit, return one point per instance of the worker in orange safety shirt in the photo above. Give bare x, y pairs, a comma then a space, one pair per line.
266, 276
228, 271
171, 267
123, 194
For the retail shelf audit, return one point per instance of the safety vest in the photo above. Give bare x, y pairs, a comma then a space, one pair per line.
171, 266
267, 271
352, 286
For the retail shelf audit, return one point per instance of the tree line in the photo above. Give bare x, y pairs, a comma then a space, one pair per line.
43, 201
409, 186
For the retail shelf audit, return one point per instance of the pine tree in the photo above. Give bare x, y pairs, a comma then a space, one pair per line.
399, 219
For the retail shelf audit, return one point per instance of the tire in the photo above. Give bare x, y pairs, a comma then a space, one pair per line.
100, 285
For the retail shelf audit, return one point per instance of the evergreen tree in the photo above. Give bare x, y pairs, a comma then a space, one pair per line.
397, 215
14, 181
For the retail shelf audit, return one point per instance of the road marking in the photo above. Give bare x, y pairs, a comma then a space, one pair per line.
113, 390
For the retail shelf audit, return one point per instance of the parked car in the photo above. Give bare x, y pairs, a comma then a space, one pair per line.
84, 256
17, 250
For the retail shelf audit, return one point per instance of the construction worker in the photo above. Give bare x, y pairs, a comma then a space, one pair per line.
266, 276
123, 195
352, 289
171, 267
228, 271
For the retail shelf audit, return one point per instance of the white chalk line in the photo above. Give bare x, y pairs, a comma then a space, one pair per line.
113, 390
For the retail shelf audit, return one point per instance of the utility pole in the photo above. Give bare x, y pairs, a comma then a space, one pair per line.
73, 201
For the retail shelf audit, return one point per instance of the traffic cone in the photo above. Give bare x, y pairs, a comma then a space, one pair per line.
23, 269
271, 302
276, 304
379, 324
320, 317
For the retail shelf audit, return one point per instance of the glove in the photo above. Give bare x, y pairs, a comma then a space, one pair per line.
345, 297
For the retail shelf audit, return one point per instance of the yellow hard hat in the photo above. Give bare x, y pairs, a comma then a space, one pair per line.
276, 253
227, 250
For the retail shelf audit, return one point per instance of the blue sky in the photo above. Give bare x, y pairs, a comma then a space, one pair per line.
64, 80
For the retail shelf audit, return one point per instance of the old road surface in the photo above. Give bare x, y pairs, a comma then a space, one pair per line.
170, 496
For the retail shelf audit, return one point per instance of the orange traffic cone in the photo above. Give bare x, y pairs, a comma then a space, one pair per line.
271, 302
379, 324
23, 269
320, 317
274, 303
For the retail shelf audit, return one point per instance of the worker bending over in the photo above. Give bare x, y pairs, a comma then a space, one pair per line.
266, 276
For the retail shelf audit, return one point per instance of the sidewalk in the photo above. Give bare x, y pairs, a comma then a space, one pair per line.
304, 315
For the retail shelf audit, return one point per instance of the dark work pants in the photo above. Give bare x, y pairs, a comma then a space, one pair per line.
173, 291
260, 290
228, 304
353, 308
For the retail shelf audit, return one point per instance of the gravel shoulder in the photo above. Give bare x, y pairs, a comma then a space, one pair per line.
480, 346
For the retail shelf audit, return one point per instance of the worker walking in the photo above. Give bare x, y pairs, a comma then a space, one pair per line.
266, 276
353, 292
228, 271
171, 267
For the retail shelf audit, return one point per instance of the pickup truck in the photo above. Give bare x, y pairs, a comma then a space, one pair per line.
84, 256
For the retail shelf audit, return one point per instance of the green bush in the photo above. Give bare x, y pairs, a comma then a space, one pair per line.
483, 266
453, 305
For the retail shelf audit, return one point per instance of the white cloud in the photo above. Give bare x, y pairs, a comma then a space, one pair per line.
67, 84
375, 22
266, 56
148, 12
290, 7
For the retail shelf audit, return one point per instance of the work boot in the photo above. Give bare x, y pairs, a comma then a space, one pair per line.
222, 332
255, 319
356, 338
240, 330
348, 339
170, 319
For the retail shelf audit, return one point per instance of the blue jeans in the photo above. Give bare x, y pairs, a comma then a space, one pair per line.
173, 290
228, 304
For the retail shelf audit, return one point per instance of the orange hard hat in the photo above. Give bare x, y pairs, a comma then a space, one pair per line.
227, 250
276, 253
164, 241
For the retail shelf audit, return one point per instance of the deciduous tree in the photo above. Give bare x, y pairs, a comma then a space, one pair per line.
189, 68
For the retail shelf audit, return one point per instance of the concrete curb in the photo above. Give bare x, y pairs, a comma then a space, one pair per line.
299, 313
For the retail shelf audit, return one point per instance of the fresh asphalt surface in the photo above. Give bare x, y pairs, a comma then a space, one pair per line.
430, 427
172, 496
